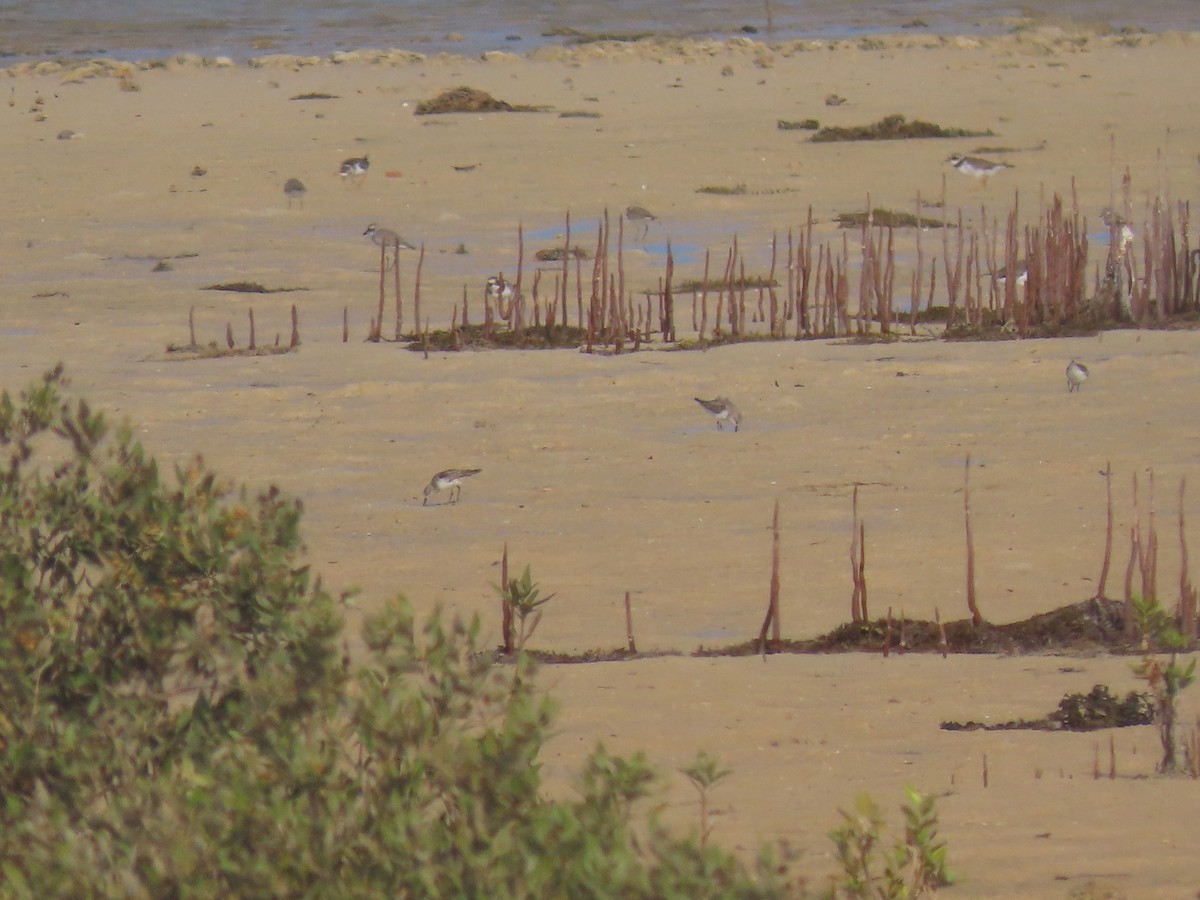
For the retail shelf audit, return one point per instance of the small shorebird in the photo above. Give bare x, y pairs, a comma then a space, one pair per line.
355, 167
390, 241
1077, 374
450, 478
641, 216
1022, 274
294, 189
724, 410
385, 237
976, 167
1125, 234
498, 289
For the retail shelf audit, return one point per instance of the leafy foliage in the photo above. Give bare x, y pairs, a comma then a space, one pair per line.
522, 598
911, 867
1168, 677
142, 624
705, 772
177, 720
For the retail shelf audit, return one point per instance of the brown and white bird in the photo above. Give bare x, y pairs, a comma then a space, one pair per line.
639, 215
499, 289
355, 167
977, 167
723, 410
1116, 222
386, 238
294, 189
449, 479
1077, 374
1022, 274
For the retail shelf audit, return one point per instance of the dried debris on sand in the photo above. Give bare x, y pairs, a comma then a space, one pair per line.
1088, 627
892, 128
465, 99
1099, 708
887, 218
249, 287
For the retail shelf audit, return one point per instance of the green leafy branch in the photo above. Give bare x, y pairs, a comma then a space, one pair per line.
522, 598
1168, 677
705, 772
911, 867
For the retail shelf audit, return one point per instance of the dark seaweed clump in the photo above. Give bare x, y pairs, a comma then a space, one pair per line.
1098, 708
556, 254
802, 125
249, 287
888, 218
479, 337
892, 128
465, 99
575, 36
1087, 626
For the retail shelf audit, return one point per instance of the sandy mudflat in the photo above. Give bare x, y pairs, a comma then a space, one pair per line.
601, 471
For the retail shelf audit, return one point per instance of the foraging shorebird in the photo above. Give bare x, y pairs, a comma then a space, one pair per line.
1125, 234
390, 241
976, 167
355, 167
294, 189
499, 290
1077, 374
641, 216
724, 411
1022, 274
386, 238
451, 479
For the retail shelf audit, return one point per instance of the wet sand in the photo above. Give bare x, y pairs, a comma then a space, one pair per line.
601, 471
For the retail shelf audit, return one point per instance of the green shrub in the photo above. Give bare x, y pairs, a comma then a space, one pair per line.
177, 720
1167, 678
910, 867
140, 618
